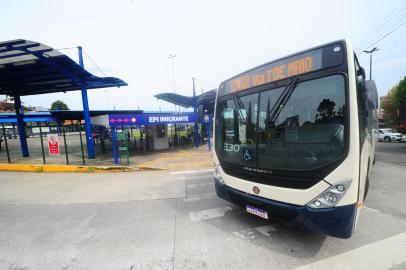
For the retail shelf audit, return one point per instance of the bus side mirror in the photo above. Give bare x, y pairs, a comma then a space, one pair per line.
361, 72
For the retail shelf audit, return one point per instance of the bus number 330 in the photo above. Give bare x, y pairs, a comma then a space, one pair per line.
229, 147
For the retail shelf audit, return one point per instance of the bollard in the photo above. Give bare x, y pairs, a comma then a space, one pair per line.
66, 147
81, 144
6, 143
42, 143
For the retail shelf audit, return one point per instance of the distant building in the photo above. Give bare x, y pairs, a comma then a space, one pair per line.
7, 105
38, 109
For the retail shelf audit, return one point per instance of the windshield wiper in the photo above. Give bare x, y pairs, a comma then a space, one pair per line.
239, 106
282, 99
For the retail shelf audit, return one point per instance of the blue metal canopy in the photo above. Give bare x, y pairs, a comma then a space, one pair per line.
28, 117
30, 68
205, 99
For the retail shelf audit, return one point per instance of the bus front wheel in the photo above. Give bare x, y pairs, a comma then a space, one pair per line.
366, 188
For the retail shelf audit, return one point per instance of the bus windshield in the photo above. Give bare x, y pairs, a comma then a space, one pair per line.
305, 132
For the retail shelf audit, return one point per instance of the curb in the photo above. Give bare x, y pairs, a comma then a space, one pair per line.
71, 168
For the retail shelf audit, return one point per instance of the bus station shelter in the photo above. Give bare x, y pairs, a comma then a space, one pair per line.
155, 126
31, 68
205, 101
202, 105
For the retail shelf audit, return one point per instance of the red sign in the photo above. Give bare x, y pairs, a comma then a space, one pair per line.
53, 144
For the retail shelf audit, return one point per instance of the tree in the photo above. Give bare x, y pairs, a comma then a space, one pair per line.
390, 112
400, 92
391, 104
59, 105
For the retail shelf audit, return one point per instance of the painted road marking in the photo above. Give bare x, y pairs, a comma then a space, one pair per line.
208, 196
383, 254
200, 185
371, 209
209, 213
202, 176
192, 199
191, 172
253, 232
246, 234
266, 229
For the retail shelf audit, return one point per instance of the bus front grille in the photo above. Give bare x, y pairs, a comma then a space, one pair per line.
274, 212
274, 180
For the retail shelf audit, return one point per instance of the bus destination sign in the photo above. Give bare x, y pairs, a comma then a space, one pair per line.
279, 70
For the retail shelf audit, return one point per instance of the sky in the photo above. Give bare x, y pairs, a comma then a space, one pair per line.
212, 41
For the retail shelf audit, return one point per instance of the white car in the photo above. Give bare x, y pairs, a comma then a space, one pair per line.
388, 135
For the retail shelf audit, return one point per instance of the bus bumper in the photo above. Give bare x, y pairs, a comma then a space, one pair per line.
336, 221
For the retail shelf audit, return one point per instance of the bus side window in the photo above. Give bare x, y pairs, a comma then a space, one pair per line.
373, 104
363, 115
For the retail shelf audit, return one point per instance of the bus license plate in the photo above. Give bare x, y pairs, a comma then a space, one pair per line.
257, 212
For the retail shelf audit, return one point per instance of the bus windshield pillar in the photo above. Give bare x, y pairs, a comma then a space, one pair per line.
196, 129
209, 132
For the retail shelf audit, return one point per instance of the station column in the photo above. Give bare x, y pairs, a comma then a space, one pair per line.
21, 126
86, 113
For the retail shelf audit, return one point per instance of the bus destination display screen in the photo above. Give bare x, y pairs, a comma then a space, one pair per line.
292, 66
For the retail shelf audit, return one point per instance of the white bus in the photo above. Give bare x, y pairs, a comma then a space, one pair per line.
295, 139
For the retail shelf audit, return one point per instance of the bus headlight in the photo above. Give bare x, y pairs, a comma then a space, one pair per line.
331, 196
217, 174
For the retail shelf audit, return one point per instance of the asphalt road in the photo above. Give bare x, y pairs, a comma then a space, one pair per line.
167, 220
393, 152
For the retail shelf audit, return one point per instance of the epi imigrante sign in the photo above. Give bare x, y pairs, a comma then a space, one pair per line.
150, 119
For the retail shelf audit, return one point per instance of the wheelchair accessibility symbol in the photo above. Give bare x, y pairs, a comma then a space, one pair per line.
247, 155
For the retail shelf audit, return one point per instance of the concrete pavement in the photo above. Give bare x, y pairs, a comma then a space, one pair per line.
167, 220
66, 188
393, 152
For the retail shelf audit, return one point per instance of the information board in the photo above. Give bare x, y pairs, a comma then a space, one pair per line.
53, 144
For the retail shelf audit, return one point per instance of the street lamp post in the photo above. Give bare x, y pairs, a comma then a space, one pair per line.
375, 49
172, 57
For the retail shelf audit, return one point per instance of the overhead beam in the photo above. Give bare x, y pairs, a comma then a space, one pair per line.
59, 68
23, 53
22, 47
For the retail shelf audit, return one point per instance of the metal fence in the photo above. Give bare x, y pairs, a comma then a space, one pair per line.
71, 142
